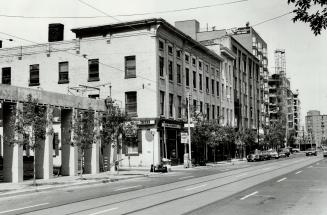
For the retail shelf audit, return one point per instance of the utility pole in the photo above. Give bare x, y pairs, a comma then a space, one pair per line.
189, 128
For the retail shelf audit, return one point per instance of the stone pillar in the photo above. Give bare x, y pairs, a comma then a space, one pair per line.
92, 154
13, 149
69, 153
44, 150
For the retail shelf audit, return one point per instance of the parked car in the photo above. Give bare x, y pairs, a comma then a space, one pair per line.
311, 151
284, 152
265, 155
273, 153
295, 150
254, 156
324, 152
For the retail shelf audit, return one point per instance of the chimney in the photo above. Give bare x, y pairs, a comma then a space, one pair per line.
189, 27
56, 32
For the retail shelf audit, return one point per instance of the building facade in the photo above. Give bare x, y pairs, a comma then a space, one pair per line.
316, 127
297, 116
148, 67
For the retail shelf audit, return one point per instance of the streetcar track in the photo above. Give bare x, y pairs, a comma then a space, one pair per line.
182, 186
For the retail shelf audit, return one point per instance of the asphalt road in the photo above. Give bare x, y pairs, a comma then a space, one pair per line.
174, 193
300, 192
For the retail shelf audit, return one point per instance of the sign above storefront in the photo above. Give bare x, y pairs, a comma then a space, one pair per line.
169, 125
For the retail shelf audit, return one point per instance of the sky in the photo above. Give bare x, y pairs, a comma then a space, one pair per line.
306, 54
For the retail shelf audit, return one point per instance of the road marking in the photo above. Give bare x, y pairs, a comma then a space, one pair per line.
192, 188
280, 180
247, 196
185, 177
243, 174
266, 168
126, 188
298, 172
101, 212
310, 166
17, 209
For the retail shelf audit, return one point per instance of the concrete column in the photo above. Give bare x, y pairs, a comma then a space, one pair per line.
92, 154
69, 152
13, 149
44, 150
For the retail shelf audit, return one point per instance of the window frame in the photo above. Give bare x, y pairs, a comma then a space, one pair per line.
96, 72
36, 83
131, 104
130, 68
4, 78
63, 73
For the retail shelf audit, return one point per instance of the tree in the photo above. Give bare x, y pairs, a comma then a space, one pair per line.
114, 127
306, 11
248, 137
276, 135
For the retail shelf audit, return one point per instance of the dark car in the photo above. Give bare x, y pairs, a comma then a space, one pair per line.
311, 152
284, 152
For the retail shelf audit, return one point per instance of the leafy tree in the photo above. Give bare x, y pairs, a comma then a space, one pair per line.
248, 137
313, 12
276, 135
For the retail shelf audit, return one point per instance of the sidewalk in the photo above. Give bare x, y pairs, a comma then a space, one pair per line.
11, 189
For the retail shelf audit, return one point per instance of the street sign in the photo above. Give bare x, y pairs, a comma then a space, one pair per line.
184, 137
191, 125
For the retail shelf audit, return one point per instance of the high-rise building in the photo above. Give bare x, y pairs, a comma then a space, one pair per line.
316, 127
297, 116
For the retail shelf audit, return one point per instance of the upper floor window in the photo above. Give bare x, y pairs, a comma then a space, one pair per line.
94, 70
34, 75
162, 102
187, 77
194, 79
213, 86
207, 84
161, 66
161, 45
179, 73
187, 58
63, 73
178, 53
200, 65
193, 61
179, 112
170, 50
130, 67
171, 104
6, 75
200, 81
170, 70
131, 103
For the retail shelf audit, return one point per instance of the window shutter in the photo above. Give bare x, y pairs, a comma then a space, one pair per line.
139, 140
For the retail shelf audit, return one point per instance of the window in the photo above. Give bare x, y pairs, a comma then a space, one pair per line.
131, 103
161, 45
94, 96
178, 53
217, 86
218, 113
63, 73
200, 81
207, 68
222, 90
213, 112
162, 103
94, 70
194, 79
161, 66
187, 77
6, 75
179, 75
34, 75
201, 106
170, 70
208, 111
171, 104
179, 113
207, 84
200, 65
187, 58
130, 67
170, 50
193, 61
213, 86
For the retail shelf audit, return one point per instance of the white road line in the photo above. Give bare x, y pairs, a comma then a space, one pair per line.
247, 196
298, 172
126, 188
185, 177
101, 212
280, 180
243, 174
192, 188
17, 209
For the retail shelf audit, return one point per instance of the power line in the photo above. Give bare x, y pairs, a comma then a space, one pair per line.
122, 15
271, 19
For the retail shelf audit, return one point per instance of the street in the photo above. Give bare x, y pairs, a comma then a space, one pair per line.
281, 183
